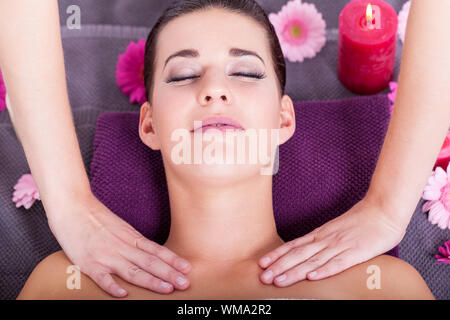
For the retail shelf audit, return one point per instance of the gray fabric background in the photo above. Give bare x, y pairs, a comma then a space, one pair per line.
91, 56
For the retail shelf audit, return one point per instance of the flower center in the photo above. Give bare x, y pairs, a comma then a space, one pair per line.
296, 31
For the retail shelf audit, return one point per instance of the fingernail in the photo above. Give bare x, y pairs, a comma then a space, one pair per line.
121, 292
281, 278
165, 284
184, 264
313, 274
265, 261
181, 281
267, 275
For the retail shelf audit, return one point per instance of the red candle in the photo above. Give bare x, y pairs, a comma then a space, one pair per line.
366, 45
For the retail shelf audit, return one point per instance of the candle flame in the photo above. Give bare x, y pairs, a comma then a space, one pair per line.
369, 13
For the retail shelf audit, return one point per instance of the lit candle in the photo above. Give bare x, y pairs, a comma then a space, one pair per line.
369, 14
366, 45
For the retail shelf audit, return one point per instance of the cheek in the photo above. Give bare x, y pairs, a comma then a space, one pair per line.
171, 110
262, 112
261, 103
170, 114
168, 124
170, 99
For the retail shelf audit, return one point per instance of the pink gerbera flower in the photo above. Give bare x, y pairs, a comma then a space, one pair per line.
300, 29
2, 93
437, 191
25, 192
445, 251
403, 19
130, 72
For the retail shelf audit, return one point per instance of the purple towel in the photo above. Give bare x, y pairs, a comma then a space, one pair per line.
324, 169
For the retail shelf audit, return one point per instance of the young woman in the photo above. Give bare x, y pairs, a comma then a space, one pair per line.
209, 59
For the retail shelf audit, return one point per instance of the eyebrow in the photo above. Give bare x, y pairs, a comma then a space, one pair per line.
192, 53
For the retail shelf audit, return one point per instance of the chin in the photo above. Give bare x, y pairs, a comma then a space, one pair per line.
220, 174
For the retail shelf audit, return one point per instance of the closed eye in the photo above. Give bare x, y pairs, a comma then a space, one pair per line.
237, 74
250, 75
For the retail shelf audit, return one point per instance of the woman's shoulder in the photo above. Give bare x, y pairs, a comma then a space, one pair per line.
397, 279
56, 277
383, 277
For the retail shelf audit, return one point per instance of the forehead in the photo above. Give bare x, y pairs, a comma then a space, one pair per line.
212, 32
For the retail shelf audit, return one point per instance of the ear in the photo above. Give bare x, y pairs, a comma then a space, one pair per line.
146, 129
287, 119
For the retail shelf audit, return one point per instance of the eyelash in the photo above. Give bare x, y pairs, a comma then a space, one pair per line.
249, 75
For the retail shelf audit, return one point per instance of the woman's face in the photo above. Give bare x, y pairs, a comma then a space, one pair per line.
222, 46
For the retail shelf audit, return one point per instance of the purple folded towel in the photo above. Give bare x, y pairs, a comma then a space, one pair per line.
324, 169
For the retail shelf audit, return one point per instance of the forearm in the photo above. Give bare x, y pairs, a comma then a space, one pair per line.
31, 59
421, 116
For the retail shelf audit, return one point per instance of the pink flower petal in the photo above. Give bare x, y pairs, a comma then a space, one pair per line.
431, 194
443, 251
440, 223
447, 247
28, 204
443, 222
441, 177
435, 212
443, 260
427, 205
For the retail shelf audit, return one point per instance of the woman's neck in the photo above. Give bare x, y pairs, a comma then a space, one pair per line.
224, 225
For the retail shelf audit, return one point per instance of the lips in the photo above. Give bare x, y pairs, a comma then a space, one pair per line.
220, 123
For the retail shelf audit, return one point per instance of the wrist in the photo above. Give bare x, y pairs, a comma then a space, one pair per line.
56, 204
397, 215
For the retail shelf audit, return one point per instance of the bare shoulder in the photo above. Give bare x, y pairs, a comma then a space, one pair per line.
55, 277
398, 279
383, 277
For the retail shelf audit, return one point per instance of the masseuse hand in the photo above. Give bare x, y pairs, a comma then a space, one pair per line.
358, 235
101, 244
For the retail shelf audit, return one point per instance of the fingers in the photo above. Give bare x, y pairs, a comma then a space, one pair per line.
293, 257
272, 256
139, 277
158, 268
335, 265
141, 269
300, 271
105, 281
164, 254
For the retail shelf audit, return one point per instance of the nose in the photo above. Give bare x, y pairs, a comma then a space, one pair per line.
214, 89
